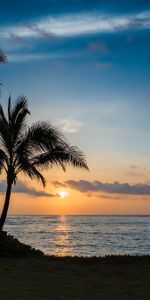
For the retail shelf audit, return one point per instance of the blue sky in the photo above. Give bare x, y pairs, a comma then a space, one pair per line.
84, 65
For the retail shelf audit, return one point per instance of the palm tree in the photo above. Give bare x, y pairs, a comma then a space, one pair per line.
29, 149
3, 57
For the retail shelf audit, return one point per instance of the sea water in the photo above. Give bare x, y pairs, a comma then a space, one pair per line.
83, 235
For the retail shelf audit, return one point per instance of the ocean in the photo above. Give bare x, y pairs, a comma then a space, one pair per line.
83, 235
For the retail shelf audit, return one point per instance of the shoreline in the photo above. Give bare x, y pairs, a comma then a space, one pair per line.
11, 247
28, 274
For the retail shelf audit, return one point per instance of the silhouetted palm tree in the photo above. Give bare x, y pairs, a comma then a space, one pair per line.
29, 149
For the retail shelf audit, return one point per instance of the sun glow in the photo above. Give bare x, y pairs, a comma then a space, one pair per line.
63, 194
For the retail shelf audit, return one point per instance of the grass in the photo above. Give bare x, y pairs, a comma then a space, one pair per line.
28, 274
11, 247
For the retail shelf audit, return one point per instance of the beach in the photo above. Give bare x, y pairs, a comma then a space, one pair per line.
26, 273
55, 278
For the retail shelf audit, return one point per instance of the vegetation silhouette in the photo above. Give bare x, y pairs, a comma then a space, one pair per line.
3, 57
29, 149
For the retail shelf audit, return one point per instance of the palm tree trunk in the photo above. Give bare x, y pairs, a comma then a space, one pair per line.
6, 205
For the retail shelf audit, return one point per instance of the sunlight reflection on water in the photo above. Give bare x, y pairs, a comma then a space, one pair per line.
61, 239
83, 235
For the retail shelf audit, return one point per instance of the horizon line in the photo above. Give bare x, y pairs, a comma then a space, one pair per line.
81, 215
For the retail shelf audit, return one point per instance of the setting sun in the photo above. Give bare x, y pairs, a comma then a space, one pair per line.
63, 194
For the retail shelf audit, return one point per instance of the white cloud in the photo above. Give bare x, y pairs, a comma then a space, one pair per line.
77, 24
70, 126
32, 57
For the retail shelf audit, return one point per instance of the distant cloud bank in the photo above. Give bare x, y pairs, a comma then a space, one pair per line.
22, 187
112, 188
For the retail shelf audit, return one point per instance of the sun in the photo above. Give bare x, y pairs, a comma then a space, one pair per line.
63, 194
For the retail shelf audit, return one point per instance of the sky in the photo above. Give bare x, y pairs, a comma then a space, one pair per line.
84, 67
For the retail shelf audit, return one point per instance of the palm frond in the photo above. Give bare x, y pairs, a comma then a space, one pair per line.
3, 161
29, 169
2, 115
9, 109
44, 136
75, 157
4, 130
3, 57
35, 174
68, 155
20, 106
17, 117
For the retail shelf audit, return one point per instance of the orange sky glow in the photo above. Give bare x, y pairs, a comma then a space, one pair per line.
75, 202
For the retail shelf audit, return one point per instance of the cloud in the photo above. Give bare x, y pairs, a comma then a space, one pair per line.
134, 167
136, 171
100, 47
22, 187
15, 38
112, 188
134, 174
70, 126
33, 57
58, 184
41, 32
111, 197
78, 24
